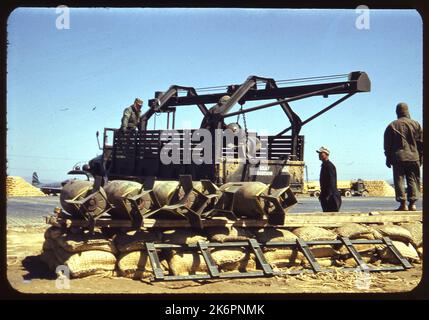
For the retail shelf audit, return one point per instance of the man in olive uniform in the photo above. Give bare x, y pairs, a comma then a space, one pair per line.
131, 118
330, 197
403, 147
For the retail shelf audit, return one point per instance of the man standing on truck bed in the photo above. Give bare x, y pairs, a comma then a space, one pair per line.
403, 147
131, 118
330, 197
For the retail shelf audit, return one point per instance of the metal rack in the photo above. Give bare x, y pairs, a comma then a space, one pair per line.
265, 269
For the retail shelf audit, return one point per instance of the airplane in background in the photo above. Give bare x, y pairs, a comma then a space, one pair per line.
55, 188
48, 188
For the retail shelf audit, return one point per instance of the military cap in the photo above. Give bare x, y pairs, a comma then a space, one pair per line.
323, 149
224, 99
138, 101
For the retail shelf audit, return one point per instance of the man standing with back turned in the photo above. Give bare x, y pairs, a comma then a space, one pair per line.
403, 147
330, 197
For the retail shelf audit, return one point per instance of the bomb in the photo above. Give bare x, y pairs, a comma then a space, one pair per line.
73, 194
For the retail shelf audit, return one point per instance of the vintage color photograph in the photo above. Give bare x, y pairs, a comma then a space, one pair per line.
216, 150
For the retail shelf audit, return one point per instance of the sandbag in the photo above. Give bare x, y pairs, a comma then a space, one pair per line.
136, 265
323, 262
182, 236
323, 251
85, 242
316, 234
406, 249
274, 235
265, 235
135, 240
393, 232
284, 258
361, 248
228, 234
416, 230
248, 263
355, 231
87, 263
182, 264
228, 259
351, 262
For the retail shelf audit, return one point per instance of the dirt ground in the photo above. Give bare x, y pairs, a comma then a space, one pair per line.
27, 274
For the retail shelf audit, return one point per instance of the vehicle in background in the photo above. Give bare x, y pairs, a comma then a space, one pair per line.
347, 188
55, 188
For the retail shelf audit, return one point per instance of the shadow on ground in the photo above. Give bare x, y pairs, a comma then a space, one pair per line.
36, 269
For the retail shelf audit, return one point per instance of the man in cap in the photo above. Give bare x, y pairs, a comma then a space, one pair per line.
131, 117
330, 197
403, 147
209, 122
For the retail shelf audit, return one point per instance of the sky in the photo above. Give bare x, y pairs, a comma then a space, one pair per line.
63, 85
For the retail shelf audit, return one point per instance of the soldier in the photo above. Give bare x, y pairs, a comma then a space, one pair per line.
330, 197
403, 147
131, 118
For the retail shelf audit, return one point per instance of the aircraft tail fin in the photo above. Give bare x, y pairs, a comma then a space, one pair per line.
35, 181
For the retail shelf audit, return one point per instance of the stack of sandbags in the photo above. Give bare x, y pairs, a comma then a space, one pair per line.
133, 260
183, 262
379, 188
416, 230
83, 253
355, 231
401, 238
326, 255
228, 234
18, 187
232, 259
279, 257
186, 263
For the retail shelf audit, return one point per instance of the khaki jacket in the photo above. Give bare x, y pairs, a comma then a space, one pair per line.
403, 141
130, 119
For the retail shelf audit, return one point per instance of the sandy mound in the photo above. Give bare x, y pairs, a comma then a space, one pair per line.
379, 188
18, 187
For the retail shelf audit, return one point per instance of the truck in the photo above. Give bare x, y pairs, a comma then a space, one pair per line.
158, 174
347, 188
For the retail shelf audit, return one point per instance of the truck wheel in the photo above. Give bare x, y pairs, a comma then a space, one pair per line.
347, 194
365, 194
316, 194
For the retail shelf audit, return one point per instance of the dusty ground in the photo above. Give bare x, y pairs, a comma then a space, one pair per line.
26, 273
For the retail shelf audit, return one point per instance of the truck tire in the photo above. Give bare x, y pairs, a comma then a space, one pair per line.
365, 194
347, 194
316, 194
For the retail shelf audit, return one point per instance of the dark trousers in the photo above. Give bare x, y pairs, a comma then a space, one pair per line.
411, 171
331, 202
